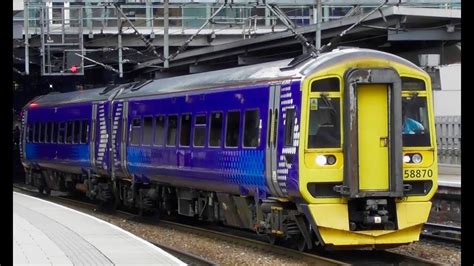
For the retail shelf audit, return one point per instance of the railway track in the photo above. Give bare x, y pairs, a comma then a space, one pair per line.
185, 257
314, 257
442, 233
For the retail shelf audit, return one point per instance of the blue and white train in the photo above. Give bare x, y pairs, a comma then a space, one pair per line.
310, 150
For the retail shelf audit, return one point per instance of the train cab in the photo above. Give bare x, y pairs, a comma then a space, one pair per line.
368, 155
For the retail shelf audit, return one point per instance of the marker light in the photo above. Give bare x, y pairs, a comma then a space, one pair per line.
331, 159
416, 158
321, 160
406, 159
33, 104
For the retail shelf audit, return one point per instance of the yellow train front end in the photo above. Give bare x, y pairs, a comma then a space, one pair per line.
368, 164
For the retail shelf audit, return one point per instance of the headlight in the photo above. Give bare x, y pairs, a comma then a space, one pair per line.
406, 159
321, 160
416, 158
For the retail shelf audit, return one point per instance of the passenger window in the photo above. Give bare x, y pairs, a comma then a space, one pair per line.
159, 130
44, 129
148, 130
199, 131
77, 131
62, 132
49, 128
289, 126
324, 123
328, 84
232, 131
172, 127
31, 130
185, 130
41, 132
37, 132
84, 131
251, 128
136, 130
54, 132
215, 136
69, 131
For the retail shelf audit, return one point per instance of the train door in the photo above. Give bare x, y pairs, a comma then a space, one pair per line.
372, 133
119, 138
100, 137
275, 174
372, 115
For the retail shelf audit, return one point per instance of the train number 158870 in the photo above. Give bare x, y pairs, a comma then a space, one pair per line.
417, 173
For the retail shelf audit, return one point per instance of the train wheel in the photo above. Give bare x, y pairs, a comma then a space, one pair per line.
298, 242
272, 239
116, 192
301, 245
44, 190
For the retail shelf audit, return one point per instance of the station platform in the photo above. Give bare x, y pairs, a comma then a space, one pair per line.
449, 175
48, 233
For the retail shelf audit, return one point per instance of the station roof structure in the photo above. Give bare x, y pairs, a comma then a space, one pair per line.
393, 24
228, 42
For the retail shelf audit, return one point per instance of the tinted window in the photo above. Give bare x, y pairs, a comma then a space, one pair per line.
329, 84
199, 131
232, 130
215, 136
62, 132
159, 130
251, 128
31, 131
37, 132
44, 132
69, 130
289, 126
49, 131
136, 130
185, 138
172, 127
413, 84
324, 123
147, 130
84, 131
54, 134
270, 123
77, 131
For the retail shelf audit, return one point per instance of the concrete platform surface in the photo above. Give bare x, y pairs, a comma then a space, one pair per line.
46, 233
449, 175
449, 180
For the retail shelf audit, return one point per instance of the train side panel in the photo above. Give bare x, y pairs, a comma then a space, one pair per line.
220, 162
58, 137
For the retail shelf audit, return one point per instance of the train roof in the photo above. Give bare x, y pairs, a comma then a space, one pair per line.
252, 74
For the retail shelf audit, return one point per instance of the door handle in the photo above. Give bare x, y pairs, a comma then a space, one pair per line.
383, 141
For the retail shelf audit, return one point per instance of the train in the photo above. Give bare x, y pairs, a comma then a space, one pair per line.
311, 151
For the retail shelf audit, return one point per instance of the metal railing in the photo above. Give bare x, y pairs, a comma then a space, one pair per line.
448, 131
103, 16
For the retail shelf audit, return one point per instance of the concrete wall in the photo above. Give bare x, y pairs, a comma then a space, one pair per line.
447, 101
